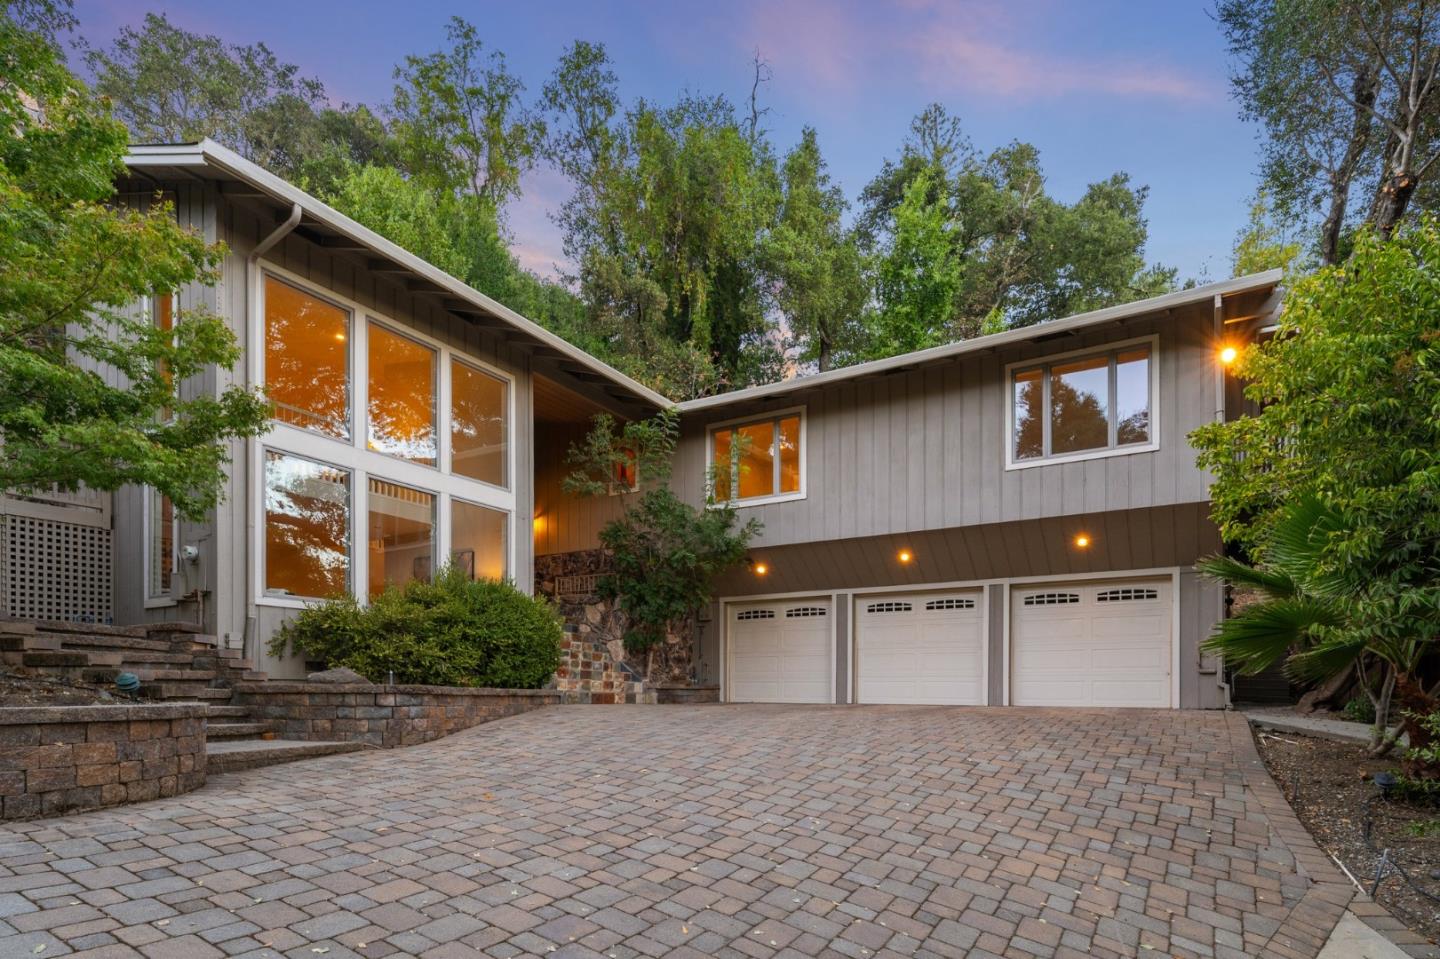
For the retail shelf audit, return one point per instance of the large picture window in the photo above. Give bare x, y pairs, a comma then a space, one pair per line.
422, 476
307, 359
401, 534
307, 527
478, 425
401, 399
760, 460
1079, 406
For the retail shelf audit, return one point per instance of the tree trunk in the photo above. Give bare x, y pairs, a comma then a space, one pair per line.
1415, 704
824, 353
1365, 90
1392, 200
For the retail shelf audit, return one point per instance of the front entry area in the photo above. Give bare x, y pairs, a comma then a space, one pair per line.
781, 652
920, 648
1099, 644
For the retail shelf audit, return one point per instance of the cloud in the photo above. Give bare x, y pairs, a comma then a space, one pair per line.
944, 47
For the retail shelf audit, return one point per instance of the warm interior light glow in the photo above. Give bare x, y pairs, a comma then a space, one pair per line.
761, 569
906, 556
1082, 540
1228, 354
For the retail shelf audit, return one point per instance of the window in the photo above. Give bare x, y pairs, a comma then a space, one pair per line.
478, 425
477, 540
759, 460
307, 527
161, 546
307, 360
401, 397
400, 533
1077, 406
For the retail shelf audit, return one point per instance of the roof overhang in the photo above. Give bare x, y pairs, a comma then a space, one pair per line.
244, 182
1254, 291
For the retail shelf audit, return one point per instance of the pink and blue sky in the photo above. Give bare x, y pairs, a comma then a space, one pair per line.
1097, 85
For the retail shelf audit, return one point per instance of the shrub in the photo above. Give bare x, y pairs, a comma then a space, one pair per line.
449, 632
1359, 710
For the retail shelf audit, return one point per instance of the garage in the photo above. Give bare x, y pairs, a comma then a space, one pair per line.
920, 648
1097, 644
781, 652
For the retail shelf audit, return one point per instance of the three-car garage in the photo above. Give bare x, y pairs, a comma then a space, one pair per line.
1109, 642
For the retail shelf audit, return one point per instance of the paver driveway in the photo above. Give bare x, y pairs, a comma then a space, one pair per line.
702, 830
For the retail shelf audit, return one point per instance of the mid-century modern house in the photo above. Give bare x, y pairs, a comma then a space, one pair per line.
1012, 519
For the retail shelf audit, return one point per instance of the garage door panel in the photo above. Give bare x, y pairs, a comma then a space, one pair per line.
780, 653
920, 649
1078, 645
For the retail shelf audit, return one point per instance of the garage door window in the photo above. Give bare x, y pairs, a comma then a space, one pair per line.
1075, 407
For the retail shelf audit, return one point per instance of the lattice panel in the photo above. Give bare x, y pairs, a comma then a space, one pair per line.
577, 587
54, 570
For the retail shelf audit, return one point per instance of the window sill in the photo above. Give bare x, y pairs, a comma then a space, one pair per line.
161, 602
760, 501
286, 602
1081, 457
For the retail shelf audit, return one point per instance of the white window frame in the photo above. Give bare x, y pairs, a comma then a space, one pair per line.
775, 417
353, 455
154, 600
1044, 364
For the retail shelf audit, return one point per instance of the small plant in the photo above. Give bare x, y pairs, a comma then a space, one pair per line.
1359, 710
452, 631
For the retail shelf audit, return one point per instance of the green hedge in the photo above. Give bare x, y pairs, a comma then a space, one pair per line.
449, 632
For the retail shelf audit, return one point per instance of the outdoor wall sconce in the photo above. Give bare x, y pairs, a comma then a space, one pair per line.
1082, 540
905, 556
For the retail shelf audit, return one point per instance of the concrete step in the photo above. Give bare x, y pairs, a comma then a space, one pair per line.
41, 658
83, 629
146, 659
229, 712
234, 730
27, 642
82, 641
175, 675
235, 754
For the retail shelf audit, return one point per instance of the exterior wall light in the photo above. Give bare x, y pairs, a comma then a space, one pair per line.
905, 556
761, 569
1082, 540
1228, 355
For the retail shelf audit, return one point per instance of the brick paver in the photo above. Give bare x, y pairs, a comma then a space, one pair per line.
735, 831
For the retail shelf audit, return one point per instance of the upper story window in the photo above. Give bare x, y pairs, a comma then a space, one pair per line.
760, 460
307, 359
1081, 405
479, 418
401, 397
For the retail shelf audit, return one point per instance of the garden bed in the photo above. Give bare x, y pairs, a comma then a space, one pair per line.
1329, 786
30, 691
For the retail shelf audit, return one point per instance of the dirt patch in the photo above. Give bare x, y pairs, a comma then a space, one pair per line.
1329, 786
29, 691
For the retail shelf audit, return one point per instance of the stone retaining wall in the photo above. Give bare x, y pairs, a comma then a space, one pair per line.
57, 759
382, 716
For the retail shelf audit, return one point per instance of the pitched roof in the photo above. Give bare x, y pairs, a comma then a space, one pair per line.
1255, 282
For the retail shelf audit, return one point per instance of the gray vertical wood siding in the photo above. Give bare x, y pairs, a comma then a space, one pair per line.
925, 448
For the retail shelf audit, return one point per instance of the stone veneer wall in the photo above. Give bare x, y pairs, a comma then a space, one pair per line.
57, 759
593, 668
383, 716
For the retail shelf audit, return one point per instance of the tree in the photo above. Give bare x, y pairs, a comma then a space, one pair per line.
1264, 244
169, 85
1007, 253
1348, 393
666, 555
460, 121
1346, 91
73, 266
814, 262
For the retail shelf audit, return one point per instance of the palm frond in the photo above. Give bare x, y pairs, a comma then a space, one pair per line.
1325, 659
1298, 542
1273, 583
1259, 636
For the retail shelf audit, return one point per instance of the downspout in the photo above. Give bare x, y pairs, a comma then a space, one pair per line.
254, 342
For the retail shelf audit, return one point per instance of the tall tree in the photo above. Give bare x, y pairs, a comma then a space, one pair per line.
814, 263
1346, 91
968, 243
461, 121
74, 265
170, 85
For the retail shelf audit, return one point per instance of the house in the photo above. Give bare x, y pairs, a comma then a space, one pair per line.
1008, 520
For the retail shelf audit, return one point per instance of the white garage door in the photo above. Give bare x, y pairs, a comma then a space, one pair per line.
923, 648
781, 652
1093, 645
